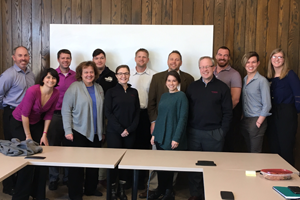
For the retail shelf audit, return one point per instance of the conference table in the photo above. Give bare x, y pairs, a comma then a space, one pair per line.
226, 164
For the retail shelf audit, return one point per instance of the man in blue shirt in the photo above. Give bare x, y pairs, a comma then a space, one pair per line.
13, 84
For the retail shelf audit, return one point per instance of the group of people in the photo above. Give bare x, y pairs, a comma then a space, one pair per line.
138, 109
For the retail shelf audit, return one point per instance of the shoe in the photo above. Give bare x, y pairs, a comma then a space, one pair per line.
168, 195
155, 195
9, 191
113, 192
103, 183
194, 198
97, 193
53, 185
143, 195
141, 186
122, 194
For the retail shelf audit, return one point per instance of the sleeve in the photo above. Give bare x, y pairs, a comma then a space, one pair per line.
6, 82
152, 104
108, 110
265, 98
67, 109
135, 122
226, 110
50, 112
28, 101
294, 83
236, 81
182, 120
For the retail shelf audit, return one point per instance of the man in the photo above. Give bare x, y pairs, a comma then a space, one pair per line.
107, 79
140, 79
56, 133
210, 114
13, 85
157, 88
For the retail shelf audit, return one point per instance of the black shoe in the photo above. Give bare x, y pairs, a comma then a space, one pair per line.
53, 185
97, 193
122, 194
168, 195
113, 192
155, 195
9, 191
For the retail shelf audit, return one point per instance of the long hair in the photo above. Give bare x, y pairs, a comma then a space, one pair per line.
285, 67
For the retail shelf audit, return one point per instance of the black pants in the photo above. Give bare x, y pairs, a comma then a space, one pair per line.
164, 178
56, 137
10, 182
115, 140
31, 180
143, 137
282, 129
76, 174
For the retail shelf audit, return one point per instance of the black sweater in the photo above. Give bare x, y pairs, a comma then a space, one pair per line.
210, 106
122, 109
107, 79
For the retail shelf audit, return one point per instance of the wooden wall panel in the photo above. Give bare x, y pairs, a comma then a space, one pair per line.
187, 10
66, 11
6, 34
177, 12
146, 11
156, 12
56, 17
136, 12
106, 11
116, 11
1, 69
167, 11
229, 21
16, 20
27, 26
198, 12
46, 21
86, 12
96, 11
208, 12
250, 31
283, 26
219, 24
76, 12
126, 12
293, 48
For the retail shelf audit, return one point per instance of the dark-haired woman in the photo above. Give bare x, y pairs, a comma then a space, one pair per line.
170, 131
122, 109
31, 120
82, 112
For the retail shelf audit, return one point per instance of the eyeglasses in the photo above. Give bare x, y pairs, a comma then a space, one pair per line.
125, 74
279, 57
205, 67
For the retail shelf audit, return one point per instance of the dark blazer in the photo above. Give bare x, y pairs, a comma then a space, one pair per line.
158, 87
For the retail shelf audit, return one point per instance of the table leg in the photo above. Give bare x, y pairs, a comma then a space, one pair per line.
135, 184
108, 185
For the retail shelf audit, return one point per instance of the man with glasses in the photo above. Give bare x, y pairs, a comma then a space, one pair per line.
210, 114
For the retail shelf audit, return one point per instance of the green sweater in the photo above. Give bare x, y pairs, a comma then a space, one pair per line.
171, 121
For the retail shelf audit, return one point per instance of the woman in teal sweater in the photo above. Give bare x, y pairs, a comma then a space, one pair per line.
170, 131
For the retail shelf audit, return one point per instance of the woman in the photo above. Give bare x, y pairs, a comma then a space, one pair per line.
256, 103
82, 113
122, 108
285, 93
169, 131
31, 120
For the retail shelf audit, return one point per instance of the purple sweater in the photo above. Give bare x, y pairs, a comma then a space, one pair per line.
31, 105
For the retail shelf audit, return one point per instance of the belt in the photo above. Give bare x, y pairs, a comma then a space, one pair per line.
10, 107
58, 112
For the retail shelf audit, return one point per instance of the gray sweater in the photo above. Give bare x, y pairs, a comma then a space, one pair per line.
77, 110
15, 147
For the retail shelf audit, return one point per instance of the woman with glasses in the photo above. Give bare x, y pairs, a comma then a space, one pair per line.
285, 95
122, 108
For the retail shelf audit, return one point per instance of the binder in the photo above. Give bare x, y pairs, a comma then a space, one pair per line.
286, 192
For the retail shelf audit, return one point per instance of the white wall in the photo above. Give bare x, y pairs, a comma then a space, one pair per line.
120, 43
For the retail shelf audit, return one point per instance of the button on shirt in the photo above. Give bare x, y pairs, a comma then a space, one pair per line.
13, 85
256, 97
141, 81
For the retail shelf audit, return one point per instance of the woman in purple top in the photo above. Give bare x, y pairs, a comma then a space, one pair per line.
285, 97
31, 120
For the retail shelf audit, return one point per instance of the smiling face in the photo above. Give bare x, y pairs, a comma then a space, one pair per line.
21, 58
172, 84
206, 69
251, 65
88, 76
64, 61
123, 75
277, 60
49, 81
141, 59
174, 62
100, 61
222, 57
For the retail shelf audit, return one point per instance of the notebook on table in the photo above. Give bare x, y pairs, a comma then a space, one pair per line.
286, 192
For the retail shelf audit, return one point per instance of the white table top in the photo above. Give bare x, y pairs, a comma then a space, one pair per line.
243, 187
185, 160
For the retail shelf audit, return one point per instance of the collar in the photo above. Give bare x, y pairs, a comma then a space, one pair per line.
212, 80
59, 71
146, 71
226, 69
18, 69
254, 77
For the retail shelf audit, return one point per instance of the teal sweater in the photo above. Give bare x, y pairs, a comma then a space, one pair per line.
171, 121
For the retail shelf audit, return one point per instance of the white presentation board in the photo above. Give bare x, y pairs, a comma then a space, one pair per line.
120, 43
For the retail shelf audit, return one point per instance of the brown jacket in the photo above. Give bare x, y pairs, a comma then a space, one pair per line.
158, 87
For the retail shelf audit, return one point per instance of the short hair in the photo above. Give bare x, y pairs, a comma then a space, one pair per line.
142, 50
224, 47
177, 52
98, 52
84, 65
285, 67
50, 71
122, 66
207, 57
66, 51
249, 55
15, 49
175, 74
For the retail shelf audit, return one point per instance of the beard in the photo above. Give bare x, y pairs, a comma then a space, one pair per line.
222, 65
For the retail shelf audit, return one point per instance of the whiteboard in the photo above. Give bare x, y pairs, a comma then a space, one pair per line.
120, 42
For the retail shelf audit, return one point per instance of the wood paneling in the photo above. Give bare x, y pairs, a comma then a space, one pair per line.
241, 25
